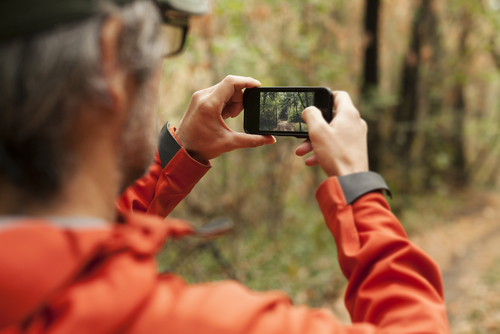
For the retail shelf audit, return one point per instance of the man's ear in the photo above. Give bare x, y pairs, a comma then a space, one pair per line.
115, 76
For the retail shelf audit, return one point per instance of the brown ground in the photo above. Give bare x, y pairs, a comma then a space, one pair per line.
468, 251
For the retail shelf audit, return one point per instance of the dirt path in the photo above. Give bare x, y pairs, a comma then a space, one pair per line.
467, 250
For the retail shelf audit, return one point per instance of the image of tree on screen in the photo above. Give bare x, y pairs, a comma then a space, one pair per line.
281, 111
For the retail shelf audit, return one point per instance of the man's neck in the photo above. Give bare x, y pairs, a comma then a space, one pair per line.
90, 191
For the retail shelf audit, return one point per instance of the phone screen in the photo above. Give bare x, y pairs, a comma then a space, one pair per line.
278, 110
281, 111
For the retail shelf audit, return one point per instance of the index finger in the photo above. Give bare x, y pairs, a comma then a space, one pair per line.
225, 90
304, 148
343, 103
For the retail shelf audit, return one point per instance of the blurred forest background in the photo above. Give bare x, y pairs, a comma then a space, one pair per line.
425, 75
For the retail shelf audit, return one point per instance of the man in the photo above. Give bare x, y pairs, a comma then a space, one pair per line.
78, 85
283, 125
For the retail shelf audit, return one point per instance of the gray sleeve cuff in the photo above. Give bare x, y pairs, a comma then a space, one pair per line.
167, 145
358, 184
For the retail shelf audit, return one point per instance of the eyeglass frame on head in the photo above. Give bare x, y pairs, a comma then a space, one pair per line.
176, 19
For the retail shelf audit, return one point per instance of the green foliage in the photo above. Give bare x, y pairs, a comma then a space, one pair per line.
301, 259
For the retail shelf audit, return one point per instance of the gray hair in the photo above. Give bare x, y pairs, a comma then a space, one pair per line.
45, 77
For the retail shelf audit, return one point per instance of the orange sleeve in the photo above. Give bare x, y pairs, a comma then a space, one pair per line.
231, 308
392, 283
394, 287
160, 190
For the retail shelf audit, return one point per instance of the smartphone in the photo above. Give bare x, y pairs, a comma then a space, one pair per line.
277, 110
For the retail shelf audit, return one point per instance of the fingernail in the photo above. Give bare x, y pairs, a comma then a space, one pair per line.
270, 143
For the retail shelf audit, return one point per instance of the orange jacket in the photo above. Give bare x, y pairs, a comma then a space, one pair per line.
101, 278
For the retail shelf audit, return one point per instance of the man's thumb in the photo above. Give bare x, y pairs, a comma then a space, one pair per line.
243, 140
313, 117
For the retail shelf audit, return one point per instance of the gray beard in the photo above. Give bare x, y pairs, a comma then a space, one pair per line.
139, 138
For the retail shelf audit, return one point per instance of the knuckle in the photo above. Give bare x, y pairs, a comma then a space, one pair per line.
353, 112
207, 103
229, 79
202, 102
197, 96
364, 125
254, 143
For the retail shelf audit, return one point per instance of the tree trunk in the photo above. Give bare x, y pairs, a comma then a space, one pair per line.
458, 164
406, 112
303, 107
264, 100
417, 143
370, 81
276, 112
301, 101
460, 173
370, 66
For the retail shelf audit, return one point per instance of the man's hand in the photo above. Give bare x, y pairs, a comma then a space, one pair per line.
202, 130
340, 148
